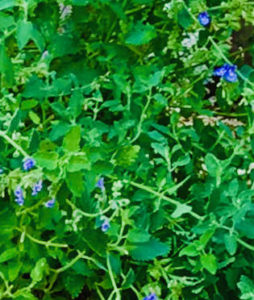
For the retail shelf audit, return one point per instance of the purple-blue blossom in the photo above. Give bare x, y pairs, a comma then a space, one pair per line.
19, 196
204, 18
50, 203
151, 296
228, 72
105, 226
37, 188
28, 164
100, 184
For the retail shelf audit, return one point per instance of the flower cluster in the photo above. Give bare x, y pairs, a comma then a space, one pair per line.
28, 164
227, 72
37, 188
204, 19
152, 296
19, 196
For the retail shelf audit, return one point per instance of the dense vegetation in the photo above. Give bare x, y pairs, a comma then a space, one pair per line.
126, 149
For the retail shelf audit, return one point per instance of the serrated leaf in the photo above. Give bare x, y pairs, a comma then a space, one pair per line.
127, 155
138, 235
209, 262
74, 284
246, 287
140, 34
148, 250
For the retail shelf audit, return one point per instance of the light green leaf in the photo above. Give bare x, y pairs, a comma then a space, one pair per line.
77, 163
72, 140
8, 254
246, 287
46, 160
39, 269
140, 34
230, 243
180, 210
209, 262
6, 4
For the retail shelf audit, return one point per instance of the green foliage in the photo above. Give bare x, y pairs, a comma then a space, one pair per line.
143, 175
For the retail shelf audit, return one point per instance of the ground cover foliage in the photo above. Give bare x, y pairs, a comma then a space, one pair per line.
126, 149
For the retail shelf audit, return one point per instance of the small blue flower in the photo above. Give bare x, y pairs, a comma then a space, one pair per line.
230, 75
100, 184
204, 18
152, 296
28, 164
105, 226
50, 203
37, 188
228, 72
19, 196
1, 171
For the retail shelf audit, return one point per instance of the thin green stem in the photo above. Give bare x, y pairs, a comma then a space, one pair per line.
142, 117
14, 144
89, 215
71, 263
116, 290
44, 243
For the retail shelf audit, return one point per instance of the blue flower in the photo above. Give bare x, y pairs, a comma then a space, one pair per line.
19, 196
100, 184
152, 296
1, 171
105, 226
228, 72
28, 164
50, 203
204, 19
37, 188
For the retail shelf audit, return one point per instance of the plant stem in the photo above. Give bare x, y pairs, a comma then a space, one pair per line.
14, 144
116, 290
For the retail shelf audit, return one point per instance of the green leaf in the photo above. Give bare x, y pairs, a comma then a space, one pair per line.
34, 117
127, 155
46, 160
190, 250
6, 68
8, 254
40, 268
28, 104
148, 250
180, 210
77, 163
72, 140
184, 18
91, 237
76, 103
75, 183
23, 33
74, 284
140, 34
213, 165
230, 243
129, 279
13, 270
6, 4
138, 235
209, 262
246, 287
